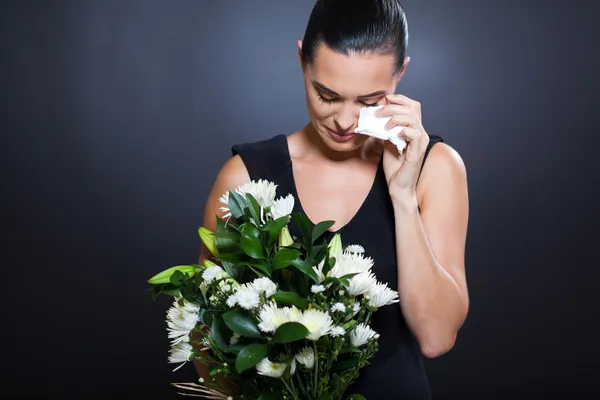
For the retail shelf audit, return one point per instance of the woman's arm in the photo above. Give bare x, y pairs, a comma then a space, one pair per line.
430, 252
232, 174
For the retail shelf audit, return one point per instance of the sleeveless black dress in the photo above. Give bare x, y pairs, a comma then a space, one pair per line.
396, 371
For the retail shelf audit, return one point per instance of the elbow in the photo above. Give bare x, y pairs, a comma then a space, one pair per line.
437, 347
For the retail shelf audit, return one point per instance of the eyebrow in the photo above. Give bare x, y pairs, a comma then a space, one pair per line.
334, 93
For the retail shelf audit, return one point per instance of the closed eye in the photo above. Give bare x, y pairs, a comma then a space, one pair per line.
331, 101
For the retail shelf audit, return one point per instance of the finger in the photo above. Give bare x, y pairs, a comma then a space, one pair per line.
416, 144
392, 109
402, 100
402, 120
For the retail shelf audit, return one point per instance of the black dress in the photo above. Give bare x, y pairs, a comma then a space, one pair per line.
396, 371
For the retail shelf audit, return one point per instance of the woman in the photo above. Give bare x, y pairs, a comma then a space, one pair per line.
353, 55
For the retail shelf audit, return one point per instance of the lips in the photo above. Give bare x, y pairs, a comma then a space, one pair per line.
341, 133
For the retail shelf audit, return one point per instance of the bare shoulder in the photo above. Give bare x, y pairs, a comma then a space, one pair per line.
231, 175
444, 167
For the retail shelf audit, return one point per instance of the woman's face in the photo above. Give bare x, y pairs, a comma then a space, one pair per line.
338, 85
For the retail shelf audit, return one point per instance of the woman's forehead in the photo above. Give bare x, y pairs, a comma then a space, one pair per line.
352, 74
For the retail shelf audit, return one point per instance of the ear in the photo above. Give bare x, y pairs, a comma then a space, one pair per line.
299, 43
403, 69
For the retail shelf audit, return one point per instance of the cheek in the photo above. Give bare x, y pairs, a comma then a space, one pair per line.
317, 109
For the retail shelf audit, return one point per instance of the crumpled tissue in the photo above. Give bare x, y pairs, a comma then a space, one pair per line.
371, 125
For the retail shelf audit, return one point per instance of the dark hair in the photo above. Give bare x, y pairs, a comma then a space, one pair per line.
357, 26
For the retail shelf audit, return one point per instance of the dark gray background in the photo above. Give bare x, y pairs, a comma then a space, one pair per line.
116, 116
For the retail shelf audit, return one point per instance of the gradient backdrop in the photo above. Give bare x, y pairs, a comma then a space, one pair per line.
116, 116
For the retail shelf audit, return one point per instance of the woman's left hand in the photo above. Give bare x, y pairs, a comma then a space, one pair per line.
402, 171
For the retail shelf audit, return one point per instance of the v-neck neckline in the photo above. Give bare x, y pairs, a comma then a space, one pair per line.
298, 202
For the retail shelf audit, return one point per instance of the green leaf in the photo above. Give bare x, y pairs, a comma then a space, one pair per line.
284, 257
229, 267
266, 395
328, 264
206, 317
231, 257
250, 241
291, 298
316, 254
290, 332
325, 396
164, 288
236, 204
320, 228
305, 267
226, 238
235, 349
249, 356
253, 247
344, 364
220, 333
176, 278
356, 397
253, 208
242, 324
272, 228
164, 276
305, 226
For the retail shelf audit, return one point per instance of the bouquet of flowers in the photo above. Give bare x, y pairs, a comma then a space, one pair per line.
271, 316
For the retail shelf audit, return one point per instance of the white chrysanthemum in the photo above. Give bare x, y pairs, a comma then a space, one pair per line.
361, 283
180, 353
306, 357
181, 320
263, 191
234, 339
380, 295
224, 199
267, 368
248, 299
355, 248
264, 286
231, 300
356, 308
361, 335
317, 288
213, 272
271, 317
350, 263
317, 322
293, 366
282, 206
293, 314
337, 331
338, 307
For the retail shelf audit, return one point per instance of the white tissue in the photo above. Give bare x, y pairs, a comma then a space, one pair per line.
371, 125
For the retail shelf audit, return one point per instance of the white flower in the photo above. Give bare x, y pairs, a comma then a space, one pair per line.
317, 322
181, 320
231, 300
337, 331
234, 339
350, 263
361, 335
306, 357
293, 314
356, 308
282, 206
263, 191
380, 295
361, 283
293, 366
247, 298
338, 307
213, 272
264, 286
267, 368
180, 353
317, 288
355, 248
319, 272
271, 317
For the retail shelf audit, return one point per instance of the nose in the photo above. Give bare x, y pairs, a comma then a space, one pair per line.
347, 118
